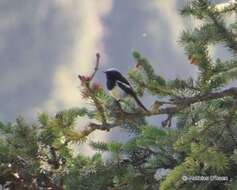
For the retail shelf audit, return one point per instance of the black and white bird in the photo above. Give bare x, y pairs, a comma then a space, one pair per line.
119, 87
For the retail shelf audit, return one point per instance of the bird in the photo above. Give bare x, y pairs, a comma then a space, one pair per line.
119, 87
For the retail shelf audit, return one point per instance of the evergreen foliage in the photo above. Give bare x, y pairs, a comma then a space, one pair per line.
201, 142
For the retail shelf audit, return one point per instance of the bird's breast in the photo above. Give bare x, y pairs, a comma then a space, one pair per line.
117, 93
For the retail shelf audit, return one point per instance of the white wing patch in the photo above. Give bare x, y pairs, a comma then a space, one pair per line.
124, 84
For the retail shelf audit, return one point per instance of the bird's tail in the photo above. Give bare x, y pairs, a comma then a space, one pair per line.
140, 103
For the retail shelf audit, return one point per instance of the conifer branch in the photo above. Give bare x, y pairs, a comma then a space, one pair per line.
229, 121
228, 35
205, 97
96, 66
86, 83
177, 105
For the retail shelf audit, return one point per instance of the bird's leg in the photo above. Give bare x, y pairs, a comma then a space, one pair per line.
120, 110
118, 104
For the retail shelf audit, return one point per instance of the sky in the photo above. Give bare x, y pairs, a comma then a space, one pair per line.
45, 44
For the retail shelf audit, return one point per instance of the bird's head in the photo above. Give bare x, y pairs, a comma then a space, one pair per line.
112, 73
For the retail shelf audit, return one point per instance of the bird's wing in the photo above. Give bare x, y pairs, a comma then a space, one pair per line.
128, 89
123, 80
125, 87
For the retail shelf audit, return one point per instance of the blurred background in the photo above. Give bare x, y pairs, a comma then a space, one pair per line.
45, 44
